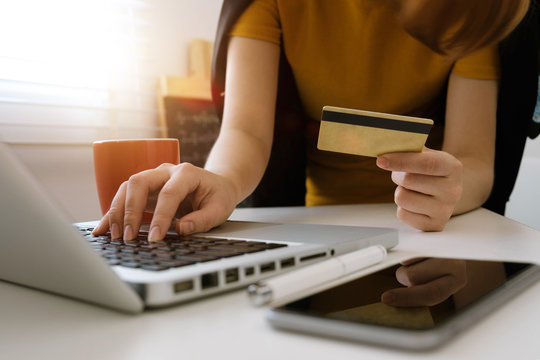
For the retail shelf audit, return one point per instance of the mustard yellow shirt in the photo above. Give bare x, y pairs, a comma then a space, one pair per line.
354, 54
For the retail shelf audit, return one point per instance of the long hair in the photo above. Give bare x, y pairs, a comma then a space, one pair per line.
459, 27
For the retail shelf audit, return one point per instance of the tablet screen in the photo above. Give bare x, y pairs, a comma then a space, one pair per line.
418, 294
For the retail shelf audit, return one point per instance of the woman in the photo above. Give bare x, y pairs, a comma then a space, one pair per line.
389, 56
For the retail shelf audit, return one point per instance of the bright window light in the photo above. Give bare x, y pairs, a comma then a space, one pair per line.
75, 63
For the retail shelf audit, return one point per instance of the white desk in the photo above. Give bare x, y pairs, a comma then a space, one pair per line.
38, 325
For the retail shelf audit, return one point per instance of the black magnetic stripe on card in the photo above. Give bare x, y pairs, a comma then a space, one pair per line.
376, 122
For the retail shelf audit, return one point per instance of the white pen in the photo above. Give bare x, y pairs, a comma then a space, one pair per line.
296, 282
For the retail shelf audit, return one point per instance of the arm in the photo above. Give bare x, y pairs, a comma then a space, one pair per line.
248, 117
204, 198
433, 185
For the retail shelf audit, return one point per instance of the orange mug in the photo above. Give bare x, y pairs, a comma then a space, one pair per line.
116, 160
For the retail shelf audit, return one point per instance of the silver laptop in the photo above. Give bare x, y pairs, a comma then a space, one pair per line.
39, 248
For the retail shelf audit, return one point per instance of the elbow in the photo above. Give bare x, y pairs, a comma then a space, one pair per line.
477, 187
486, 186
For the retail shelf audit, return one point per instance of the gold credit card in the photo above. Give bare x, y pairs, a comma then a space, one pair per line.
369, 133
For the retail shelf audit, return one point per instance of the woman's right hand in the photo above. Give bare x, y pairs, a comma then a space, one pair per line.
190, 198
195, 199
428, 282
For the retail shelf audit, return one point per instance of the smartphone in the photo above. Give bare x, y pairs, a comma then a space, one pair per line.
354, 311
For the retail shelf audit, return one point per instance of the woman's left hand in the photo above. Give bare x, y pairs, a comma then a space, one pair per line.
429, 185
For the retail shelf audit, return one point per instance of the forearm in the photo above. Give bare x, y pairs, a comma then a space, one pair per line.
243, 147
230, 159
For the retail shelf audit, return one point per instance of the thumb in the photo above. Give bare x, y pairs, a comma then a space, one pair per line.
201, 220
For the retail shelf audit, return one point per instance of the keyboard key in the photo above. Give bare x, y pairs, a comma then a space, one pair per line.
218, 254
130, 264
225, 241
110, 248
163, 254
148, 261
197, 257
150, 245
200, 238
234, 248
183, 251
269, 245
129, 250
145, 252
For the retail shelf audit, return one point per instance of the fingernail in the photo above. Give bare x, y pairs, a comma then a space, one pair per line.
94, 231
155, 234
186, 227
115, 231
128, 232
388, 298
382, 162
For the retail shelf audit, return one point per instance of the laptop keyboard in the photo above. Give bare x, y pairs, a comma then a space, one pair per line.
173, 252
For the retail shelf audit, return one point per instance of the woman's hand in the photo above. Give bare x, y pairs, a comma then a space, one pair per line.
195, 199
429, 185
428, 282
190, 198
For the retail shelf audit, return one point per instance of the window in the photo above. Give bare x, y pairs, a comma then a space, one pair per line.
74, 71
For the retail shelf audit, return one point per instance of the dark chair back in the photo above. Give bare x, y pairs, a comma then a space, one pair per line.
518, 91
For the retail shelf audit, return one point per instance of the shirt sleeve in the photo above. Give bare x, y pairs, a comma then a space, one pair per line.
482, 64
259, 21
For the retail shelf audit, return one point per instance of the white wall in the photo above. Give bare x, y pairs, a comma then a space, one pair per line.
524, 204
66, 171
176, 22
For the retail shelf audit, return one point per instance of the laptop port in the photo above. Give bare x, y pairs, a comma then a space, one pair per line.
183, 286
285, 263
231, 275
250, 270
271, 266
311, 257
209, 280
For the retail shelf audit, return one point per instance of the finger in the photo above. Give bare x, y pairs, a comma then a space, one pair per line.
428, 294
183, 182
102, 227
420, 221
116, 212
428, 162
412, 261
448, 189
426, 184
421, 203
208, 216
430, 269
138, 188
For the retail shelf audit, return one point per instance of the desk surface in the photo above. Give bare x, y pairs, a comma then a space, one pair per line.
34, 324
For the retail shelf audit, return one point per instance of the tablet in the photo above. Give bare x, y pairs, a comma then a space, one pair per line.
355, 310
